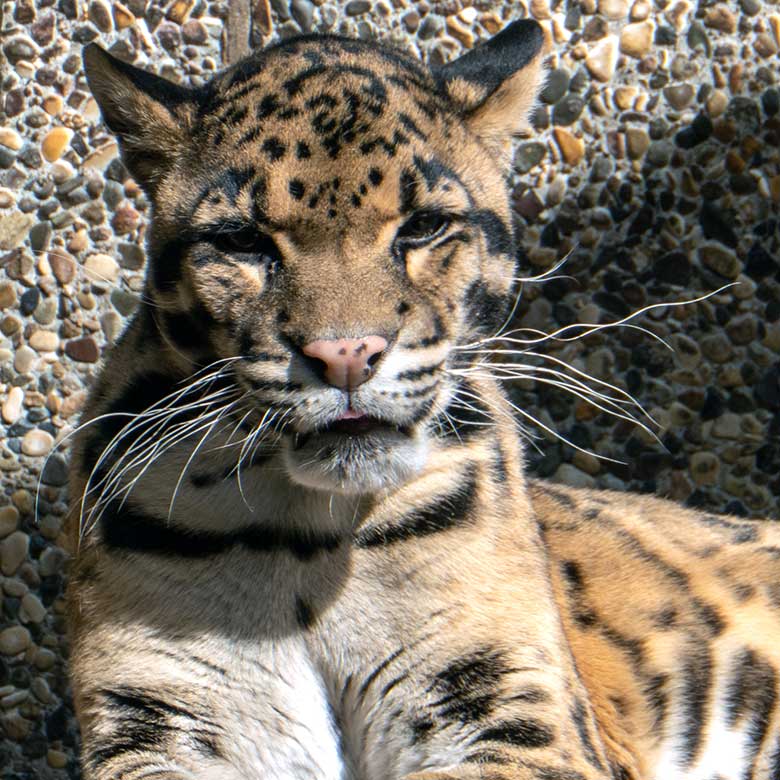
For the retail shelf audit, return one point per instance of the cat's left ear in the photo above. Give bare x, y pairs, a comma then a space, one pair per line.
495, 85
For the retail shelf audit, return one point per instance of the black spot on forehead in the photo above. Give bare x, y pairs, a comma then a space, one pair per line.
274, 149
375, 176
302, 151
297, 188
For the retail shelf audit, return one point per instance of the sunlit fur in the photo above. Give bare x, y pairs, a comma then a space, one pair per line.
261, 589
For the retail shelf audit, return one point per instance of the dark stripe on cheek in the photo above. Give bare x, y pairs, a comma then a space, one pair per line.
497, 234
485, 308
441, 514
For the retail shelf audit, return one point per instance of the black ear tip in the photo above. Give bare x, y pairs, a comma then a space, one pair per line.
92, 56
527, 32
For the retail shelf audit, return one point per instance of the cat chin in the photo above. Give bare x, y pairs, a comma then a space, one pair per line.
355, 465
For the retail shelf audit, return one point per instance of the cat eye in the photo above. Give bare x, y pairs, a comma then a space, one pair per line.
421, 228
246, 241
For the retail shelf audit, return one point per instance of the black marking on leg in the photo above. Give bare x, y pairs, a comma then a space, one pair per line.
580, 717
696, 684
520, 732
377, 670
752, 695
441, 514
470, 686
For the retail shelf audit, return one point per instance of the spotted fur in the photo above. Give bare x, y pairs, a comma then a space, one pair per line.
265, 588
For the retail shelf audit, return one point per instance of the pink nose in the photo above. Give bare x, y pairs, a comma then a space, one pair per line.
347, 361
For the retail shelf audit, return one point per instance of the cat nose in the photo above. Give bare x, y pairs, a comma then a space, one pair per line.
346, 363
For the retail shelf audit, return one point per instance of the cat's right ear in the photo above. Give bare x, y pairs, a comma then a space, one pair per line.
150, 115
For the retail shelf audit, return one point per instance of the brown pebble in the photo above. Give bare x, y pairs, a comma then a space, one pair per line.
637, 142
123, 17
85, 350
63, 267
262, 17
180, 10
719, 17
100, 15
55, 142
572, 148
125, 220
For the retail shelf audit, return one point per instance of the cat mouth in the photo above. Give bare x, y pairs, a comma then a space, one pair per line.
351, 424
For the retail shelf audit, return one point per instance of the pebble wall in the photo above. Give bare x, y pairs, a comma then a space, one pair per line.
655, 167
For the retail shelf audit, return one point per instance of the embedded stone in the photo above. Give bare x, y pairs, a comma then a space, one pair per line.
720, 17
602, 59
36, 443
33, 607
705, 468
44, 341
14, 229
529, 155
14, 640
55, 142
718, 258
613, 9
636, 39
572, 148
101, 268
24, 359
9, 520
195, 34
85, 350
10, 139
62, 266
12, 406
13, 552
100, 15
7, 295
637, 142
678, 96
123, 16
180, 10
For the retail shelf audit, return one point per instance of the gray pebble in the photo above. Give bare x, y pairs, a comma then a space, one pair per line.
555, 86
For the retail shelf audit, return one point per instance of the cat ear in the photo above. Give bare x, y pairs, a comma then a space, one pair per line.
495, 85
148, 114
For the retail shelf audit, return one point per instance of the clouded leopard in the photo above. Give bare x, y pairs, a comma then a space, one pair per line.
305, 546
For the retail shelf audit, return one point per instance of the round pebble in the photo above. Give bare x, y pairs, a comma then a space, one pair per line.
14, 640
37, 443
13, 553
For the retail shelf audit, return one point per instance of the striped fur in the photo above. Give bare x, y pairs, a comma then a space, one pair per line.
259, 590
